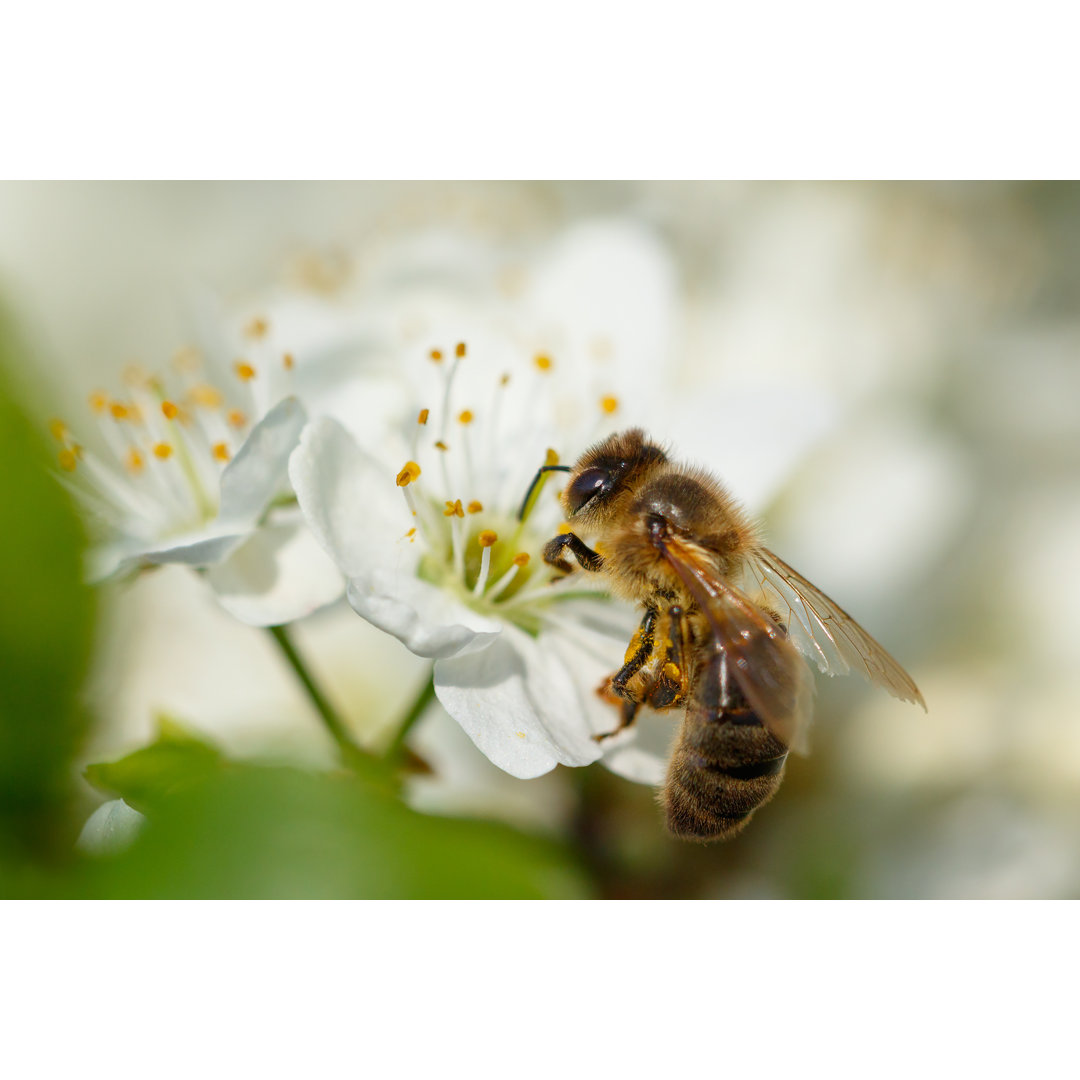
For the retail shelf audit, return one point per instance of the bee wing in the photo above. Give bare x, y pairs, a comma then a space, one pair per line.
769, 671
824, 632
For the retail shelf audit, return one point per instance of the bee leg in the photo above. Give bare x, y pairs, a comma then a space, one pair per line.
587, 558
628, 710
670, 687
641, 647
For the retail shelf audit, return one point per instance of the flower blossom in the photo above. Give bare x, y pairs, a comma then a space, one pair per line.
191, 468
426, 528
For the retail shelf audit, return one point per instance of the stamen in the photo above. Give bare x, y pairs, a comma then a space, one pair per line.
411, 535
436, 355
408, 474
609, 403
454, 509
58, 429
169, 410
68, 460
520, 559
162, 450
440, 445
236, 418
257, 328
244, 371
220, 451
465, 416
475, 507
422, 418
135, 460
288, 361
486, 539
459, 350
98, 400
119, 411
543, 362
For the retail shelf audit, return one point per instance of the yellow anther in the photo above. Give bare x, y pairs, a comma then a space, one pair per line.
609, 403
244, 370
454, 509
465, 416
550, 457
220, 451
408, 474
68, 460
58, 430
475, 507
504, 380
162, 450
257, 327
411, 534
521, 558
422, 418
98, 400
672, 672
169, 410
542, 361
436, 355
209, 397
119, 411
564, 527
236, 418
135, 460
459, 349
288, 361
520, 734
440, 445
487, 538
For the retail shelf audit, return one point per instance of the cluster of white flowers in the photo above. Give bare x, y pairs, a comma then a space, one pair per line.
379, 443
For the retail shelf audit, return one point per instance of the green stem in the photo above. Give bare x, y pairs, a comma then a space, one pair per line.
416, 710
350, 752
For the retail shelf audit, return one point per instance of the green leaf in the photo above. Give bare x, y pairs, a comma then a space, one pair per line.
46, 619
177, 760
250, 831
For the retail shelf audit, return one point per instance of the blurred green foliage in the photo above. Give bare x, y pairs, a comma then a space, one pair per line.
215, 828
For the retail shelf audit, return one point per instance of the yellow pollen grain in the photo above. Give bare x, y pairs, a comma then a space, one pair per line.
520, 734
504, 380
564, 527
68, 460
609, 403
288, 361
135, 460
209, 397
408, 474
244, 370
454, 509
119, 410
58, 430
672, 671
98, 401
459, 349
411, 534
169, 410
475, 507
422, 418
521, 558
220, 451
487, 538
257, 328
162, 450
465, 416
236, 418
440, 445
436, 355
543, 361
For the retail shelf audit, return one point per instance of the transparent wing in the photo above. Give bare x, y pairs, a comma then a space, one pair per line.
823, 631
769, 671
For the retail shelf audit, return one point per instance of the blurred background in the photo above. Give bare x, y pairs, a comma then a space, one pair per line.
931, 489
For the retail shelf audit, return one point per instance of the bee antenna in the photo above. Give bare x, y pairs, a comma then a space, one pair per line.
536, 482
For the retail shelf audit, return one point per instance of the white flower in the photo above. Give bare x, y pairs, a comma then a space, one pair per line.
192, 469
426, 530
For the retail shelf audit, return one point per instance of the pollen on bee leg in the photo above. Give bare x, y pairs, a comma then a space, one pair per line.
520, 559
486, 540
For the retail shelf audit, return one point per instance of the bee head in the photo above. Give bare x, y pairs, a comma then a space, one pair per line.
618, 464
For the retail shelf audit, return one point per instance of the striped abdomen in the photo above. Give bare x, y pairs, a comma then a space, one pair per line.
725, 764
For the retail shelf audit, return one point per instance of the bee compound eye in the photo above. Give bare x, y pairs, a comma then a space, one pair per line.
591, 482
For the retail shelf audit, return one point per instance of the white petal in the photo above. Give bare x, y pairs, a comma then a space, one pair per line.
641, 752
426, 620
351, 502
279, 574
259, 470
517, 704
110, 829
202, 548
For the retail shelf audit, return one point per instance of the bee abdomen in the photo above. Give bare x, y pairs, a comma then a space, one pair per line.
723, 768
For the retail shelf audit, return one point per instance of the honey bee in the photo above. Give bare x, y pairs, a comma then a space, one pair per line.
724, 625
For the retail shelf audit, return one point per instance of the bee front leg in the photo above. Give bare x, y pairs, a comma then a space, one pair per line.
587, 558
